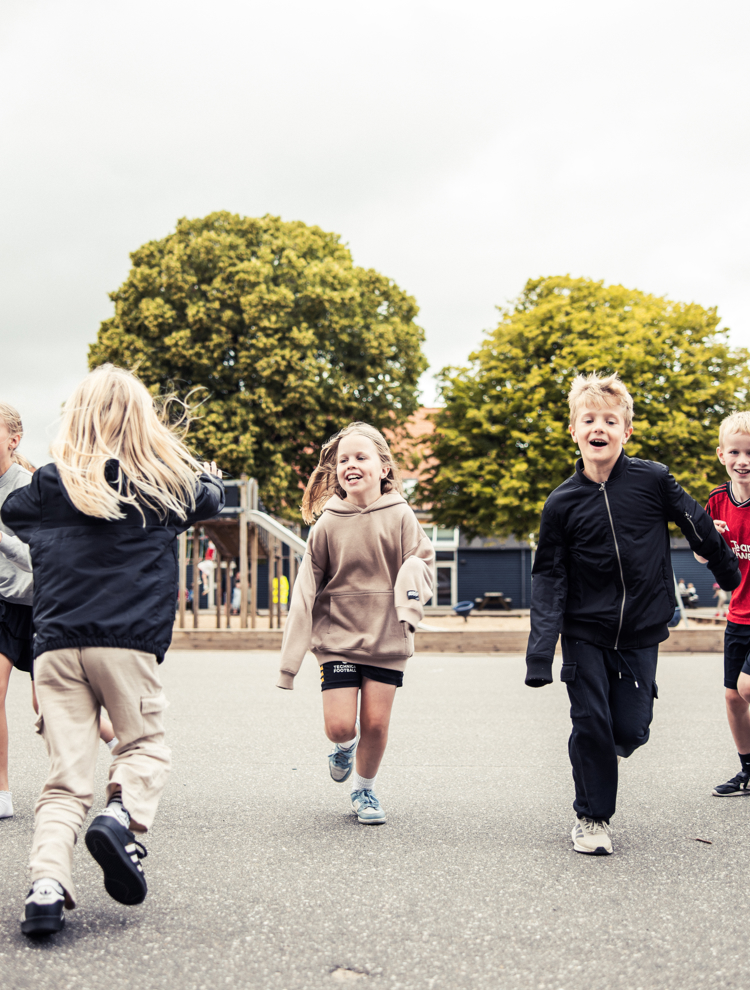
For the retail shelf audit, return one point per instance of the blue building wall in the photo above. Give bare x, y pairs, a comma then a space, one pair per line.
508, 571
687, 567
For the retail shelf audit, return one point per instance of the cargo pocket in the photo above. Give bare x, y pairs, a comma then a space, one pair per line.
152, 710
579, 702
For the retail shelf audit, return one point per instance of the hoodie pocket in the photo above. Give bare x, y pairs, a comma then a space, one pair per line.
365, 623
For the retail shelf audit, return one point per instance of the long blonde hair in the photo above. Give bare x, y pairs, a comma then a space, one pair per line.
12, 419
111, 415
323, 481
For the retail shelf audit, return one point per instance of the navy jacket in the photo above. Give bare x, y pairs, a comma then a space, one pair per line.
603, 571
99, 582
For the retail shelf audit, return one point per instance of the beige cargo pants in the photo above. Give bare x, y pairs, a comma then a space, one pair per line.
72, 686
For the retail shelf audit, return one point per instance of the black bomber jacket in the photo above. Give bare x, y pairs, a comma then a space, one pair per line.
100, 582
603, 572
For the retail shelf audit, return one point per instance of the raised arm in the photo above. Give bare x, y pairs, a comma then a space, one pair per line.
298, 627
549, 591
413, 587
701, 533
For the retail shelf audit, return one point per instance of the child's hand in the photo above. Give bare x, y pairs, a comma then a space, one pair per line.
211, 468
721, 526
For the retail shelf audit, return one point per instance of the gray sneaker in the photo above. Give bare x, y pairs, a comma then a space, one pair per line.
592, 836
367, 808
341, 761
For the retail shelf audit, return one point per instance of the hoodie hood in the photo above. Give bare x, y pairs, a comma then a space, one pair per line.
343, 507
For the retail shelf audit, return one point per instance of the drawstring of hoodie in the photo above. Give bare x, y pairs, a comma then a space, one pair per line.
620, 661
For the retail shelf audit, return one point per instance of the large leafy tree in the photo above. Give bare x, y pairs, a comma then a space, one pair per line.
501, 442
288, 339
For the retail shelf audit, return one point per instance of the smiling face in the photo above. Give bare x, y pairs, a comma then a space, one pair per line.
600, 433
735, 456
359, 469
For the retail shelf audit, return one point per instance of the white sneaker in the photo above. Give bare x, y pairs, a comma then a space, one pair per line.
592, 837
6, 804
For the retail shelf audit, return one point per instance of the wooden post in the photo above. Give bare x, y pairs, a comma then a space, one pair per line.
254, 577
292, 567
196, 576
271, 555
217, 583
243, 553
228, 602
182, 551
280, 572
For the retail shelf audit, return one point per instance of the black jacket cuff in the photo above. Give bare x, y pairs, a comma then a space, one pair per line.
538, 671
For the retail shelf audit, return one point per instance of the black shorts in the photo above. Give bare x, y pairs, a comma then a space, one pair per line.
17, 635
343, 673
736, 650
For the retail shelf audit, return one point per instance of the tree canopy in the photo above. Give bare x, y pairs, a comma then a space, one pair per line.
289, 339
501, 442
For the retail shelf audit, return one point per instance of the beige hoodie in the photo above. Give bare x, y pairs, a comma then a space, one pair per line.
363, 582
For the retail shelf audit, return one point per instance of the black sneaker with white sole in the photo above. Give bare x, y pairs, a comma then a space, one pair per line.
115, 849
735, 787
43, 912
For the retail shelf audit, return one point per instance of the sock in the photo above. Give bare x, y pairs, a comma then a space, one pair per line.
745, 760
115, 810
112, 743
362, 783
347, 745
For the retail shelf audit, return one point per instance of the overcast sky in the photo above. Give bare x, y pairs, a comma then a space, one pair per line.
459, 148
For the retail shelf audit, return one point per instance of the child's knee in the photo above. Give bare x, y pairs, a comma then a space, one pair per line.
741, 697
340, 730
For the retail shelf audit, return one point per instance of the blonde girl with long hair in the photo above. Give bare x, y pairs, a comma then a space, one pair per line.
360, 594
101, 523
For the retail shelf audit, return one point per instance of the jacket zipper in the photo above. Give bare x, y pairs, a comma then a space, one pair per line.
619, 562
690, 520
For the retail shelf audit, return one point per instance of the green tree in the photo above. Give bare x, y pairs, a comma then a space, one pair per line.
289, 339
501, 442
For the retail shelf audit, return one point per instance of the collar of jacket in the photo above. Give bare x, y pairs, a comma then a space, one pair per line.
617, 470
343, 507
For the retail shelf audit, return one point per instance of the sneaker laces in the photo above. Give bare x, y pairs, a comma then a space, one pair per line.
341, 758
594, 825
741, 778
367, 799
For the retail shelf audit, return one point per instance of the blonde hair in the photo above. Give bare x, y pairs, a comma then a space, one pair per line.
111, 415
12, 419
323, 483
738, 422
600, 391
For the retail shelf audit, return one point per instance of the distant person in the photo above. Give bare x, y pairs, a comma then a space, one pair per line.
729, 507
722, 598
599, 572
101, 523
682, 588
693, 600
16, 593
358, 598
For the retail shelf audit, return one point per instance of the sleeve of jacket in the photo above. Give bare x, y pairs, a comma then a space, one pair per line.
413, 587
16, 551
700, 532
209, 500
549, 591
22, 511
298, 627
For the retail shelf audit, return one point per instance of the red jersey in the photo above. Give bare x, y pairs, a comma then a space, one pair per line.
723, 505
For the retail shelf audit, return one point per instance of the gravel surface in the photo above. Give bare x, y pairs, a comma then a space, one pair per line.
259, 876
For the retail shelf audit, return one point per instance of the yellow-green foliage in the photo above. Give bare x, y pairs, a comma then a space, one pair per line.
288, 337
502, 442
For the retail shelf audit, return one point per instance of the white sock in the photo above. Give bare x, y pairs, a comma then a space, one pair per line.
347, 745
115, 810
112, 743
362, 783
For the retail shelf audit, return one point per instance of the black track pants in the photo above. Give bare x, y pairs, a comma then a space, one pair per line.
610, 715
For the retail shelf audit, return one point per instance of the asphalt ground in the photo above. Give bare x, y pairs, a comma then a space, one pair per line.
259, 875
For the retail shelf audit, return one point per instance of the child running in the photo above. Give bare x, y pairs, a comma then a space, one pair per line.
357, 601
101, 523
729, 507
603, 577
